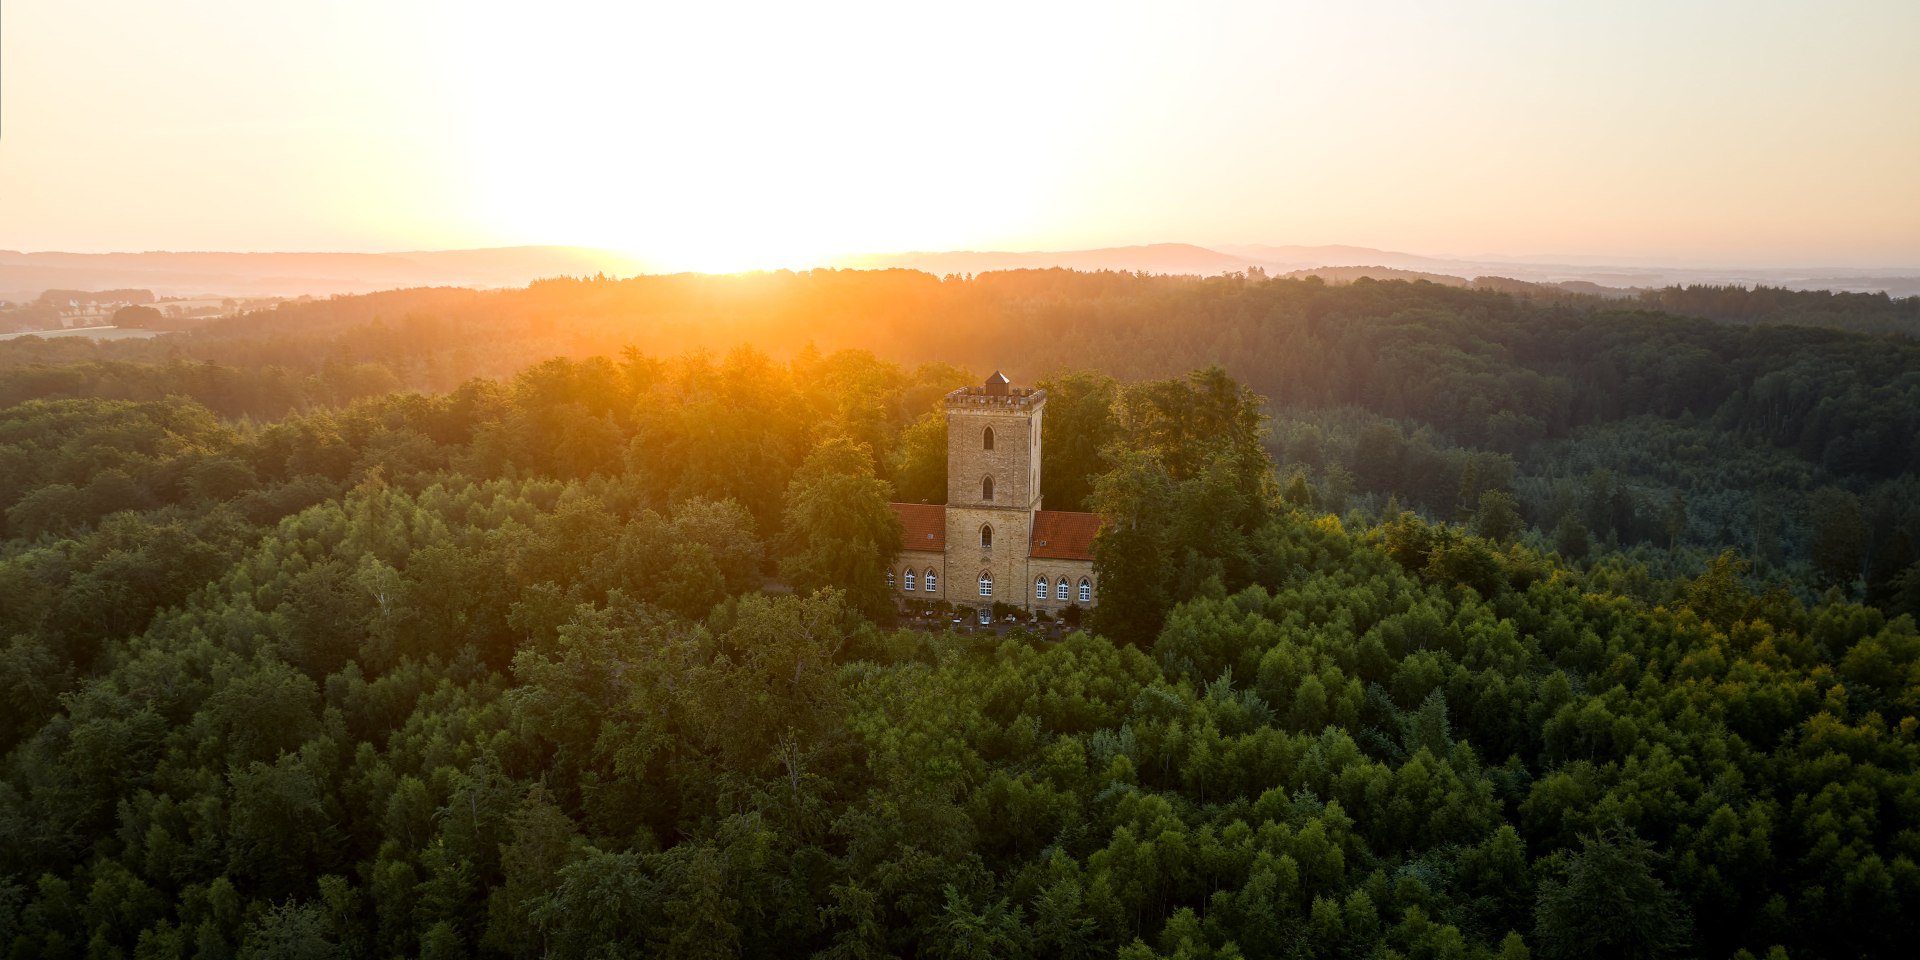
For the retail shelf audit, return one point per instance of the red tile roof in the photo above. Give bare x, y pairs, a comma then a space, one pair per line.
1057, 534
923, 526
1063, 535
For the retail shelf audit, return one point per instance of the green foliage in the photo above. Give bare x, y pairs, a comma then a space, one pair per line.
1189, 485
490, 673
1497, 517
1839, 548
920, 466
1080, 422
1610, 903
1571, 539
838, 532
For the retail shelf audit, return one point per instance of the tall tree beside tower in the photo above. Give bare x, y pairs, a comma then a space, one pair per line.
838, 531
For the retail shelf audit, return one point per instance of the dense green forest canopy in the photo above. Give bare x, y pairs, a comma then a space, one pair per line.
1420, 633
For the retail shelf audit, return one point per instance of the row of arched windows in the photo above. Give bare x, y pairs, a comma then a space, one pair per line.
1062, 588
931, 583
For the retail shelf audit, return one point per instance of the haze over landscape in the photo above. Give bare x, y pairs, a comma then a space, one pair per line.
1003, 481
24, 275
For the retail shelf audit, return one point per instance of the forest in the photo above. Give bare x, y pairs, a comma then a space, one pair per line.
1434, 622
1752, 418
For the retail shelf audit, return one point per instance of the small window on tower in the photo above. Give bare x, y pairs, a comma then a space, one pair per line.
987, 440
986, 584
986, 488
986, 535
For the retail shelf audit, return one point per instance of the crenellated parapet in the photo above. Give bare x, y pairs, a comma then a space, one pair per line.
1018, 398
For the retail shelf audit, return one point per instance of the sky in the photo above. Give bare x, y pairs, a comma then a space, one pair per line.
719, 135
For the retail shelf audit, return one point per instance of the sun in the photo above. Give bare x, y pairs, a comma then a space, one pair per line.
730, 201
770, 156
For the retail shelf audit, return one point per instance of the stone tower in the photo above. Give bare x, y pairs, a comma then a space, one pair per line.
993, 487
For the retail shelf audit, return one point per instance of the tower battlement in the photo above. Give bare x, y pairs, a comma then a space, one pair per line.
1017, 398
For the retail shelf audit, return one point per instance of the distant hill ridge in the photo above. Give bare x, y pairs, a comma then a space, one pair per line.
24, 276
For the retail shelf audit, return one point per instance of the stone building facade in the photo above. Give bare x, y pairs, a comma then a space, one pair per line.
992, 541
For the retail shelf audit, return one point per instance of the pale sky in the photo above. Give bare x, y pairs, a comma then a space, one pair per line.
720, 135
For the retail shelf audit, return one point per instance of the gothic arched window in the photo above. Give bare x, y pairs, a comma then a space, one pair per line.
986, 584
1060, 589
986, 488
1040, 588
1086, 591
932, 581
909, 581
986, 535
890, 579
986, 440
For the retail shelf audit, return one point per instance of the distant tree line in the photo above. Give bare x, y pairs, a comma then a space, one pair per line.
1747, 306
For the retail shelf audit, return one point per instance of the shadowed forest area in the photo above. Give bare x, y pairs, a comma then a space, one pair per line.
1434, 622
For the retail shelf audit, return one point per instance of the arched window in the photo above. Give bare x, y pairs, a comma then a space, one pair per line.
1060, 589
1040, 588
890, 579
909, 581
986, 440
1086, 591
986, 584
986, 488
986, 535
931, 580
